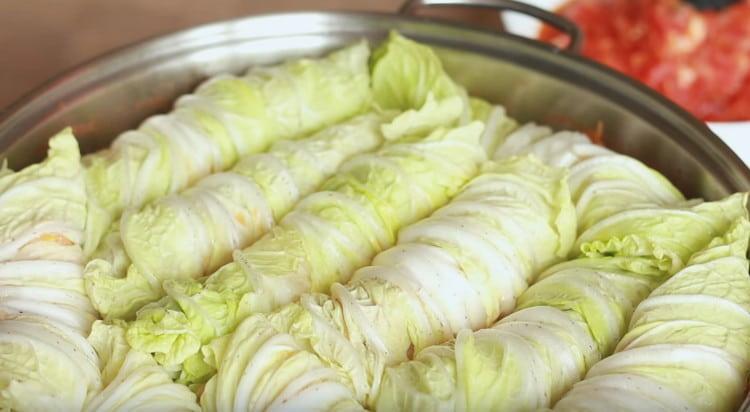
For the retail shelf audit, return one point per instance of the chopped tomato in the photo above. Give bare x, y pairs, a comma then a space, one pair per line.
699, 59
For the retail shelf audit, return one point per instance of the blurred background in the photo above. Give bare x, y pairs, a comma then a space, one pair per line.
41, 38
698, 58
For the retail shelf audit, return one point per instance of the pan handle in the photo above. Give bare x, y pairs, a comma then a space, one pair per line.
558, 22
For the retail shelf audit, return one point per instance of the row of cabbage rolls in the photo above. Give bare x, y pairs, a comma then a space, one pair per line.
356, 232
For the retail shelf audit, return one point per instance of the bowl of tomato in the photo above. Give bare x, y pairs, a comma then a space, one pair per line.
698, 58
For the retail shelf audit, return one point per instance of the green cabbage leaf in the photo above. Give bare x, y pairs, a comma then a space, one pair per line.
405, 73
666, 236
132, 380
688, 343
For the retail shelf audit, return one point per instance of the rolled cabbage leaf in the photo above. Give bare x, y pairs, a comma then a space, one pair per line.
602, 182
45, 361
44, 366
688, 344
327, 236
303, 381
227, 117
42, 217
132, 380
462, 267
571, 317
191, 234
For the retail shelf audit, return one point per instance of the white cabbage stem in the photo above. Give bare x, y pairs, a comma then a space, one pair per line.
601, 181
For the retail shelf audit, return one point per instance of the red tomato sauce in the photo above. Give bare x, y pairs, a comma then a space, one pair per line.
698, 59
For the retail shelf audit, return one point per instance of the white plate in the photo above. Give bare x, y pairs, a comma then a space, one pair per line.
735, 134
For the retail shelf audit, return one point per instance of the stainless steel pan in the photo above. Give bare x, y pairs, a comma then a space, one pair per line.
536, 82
